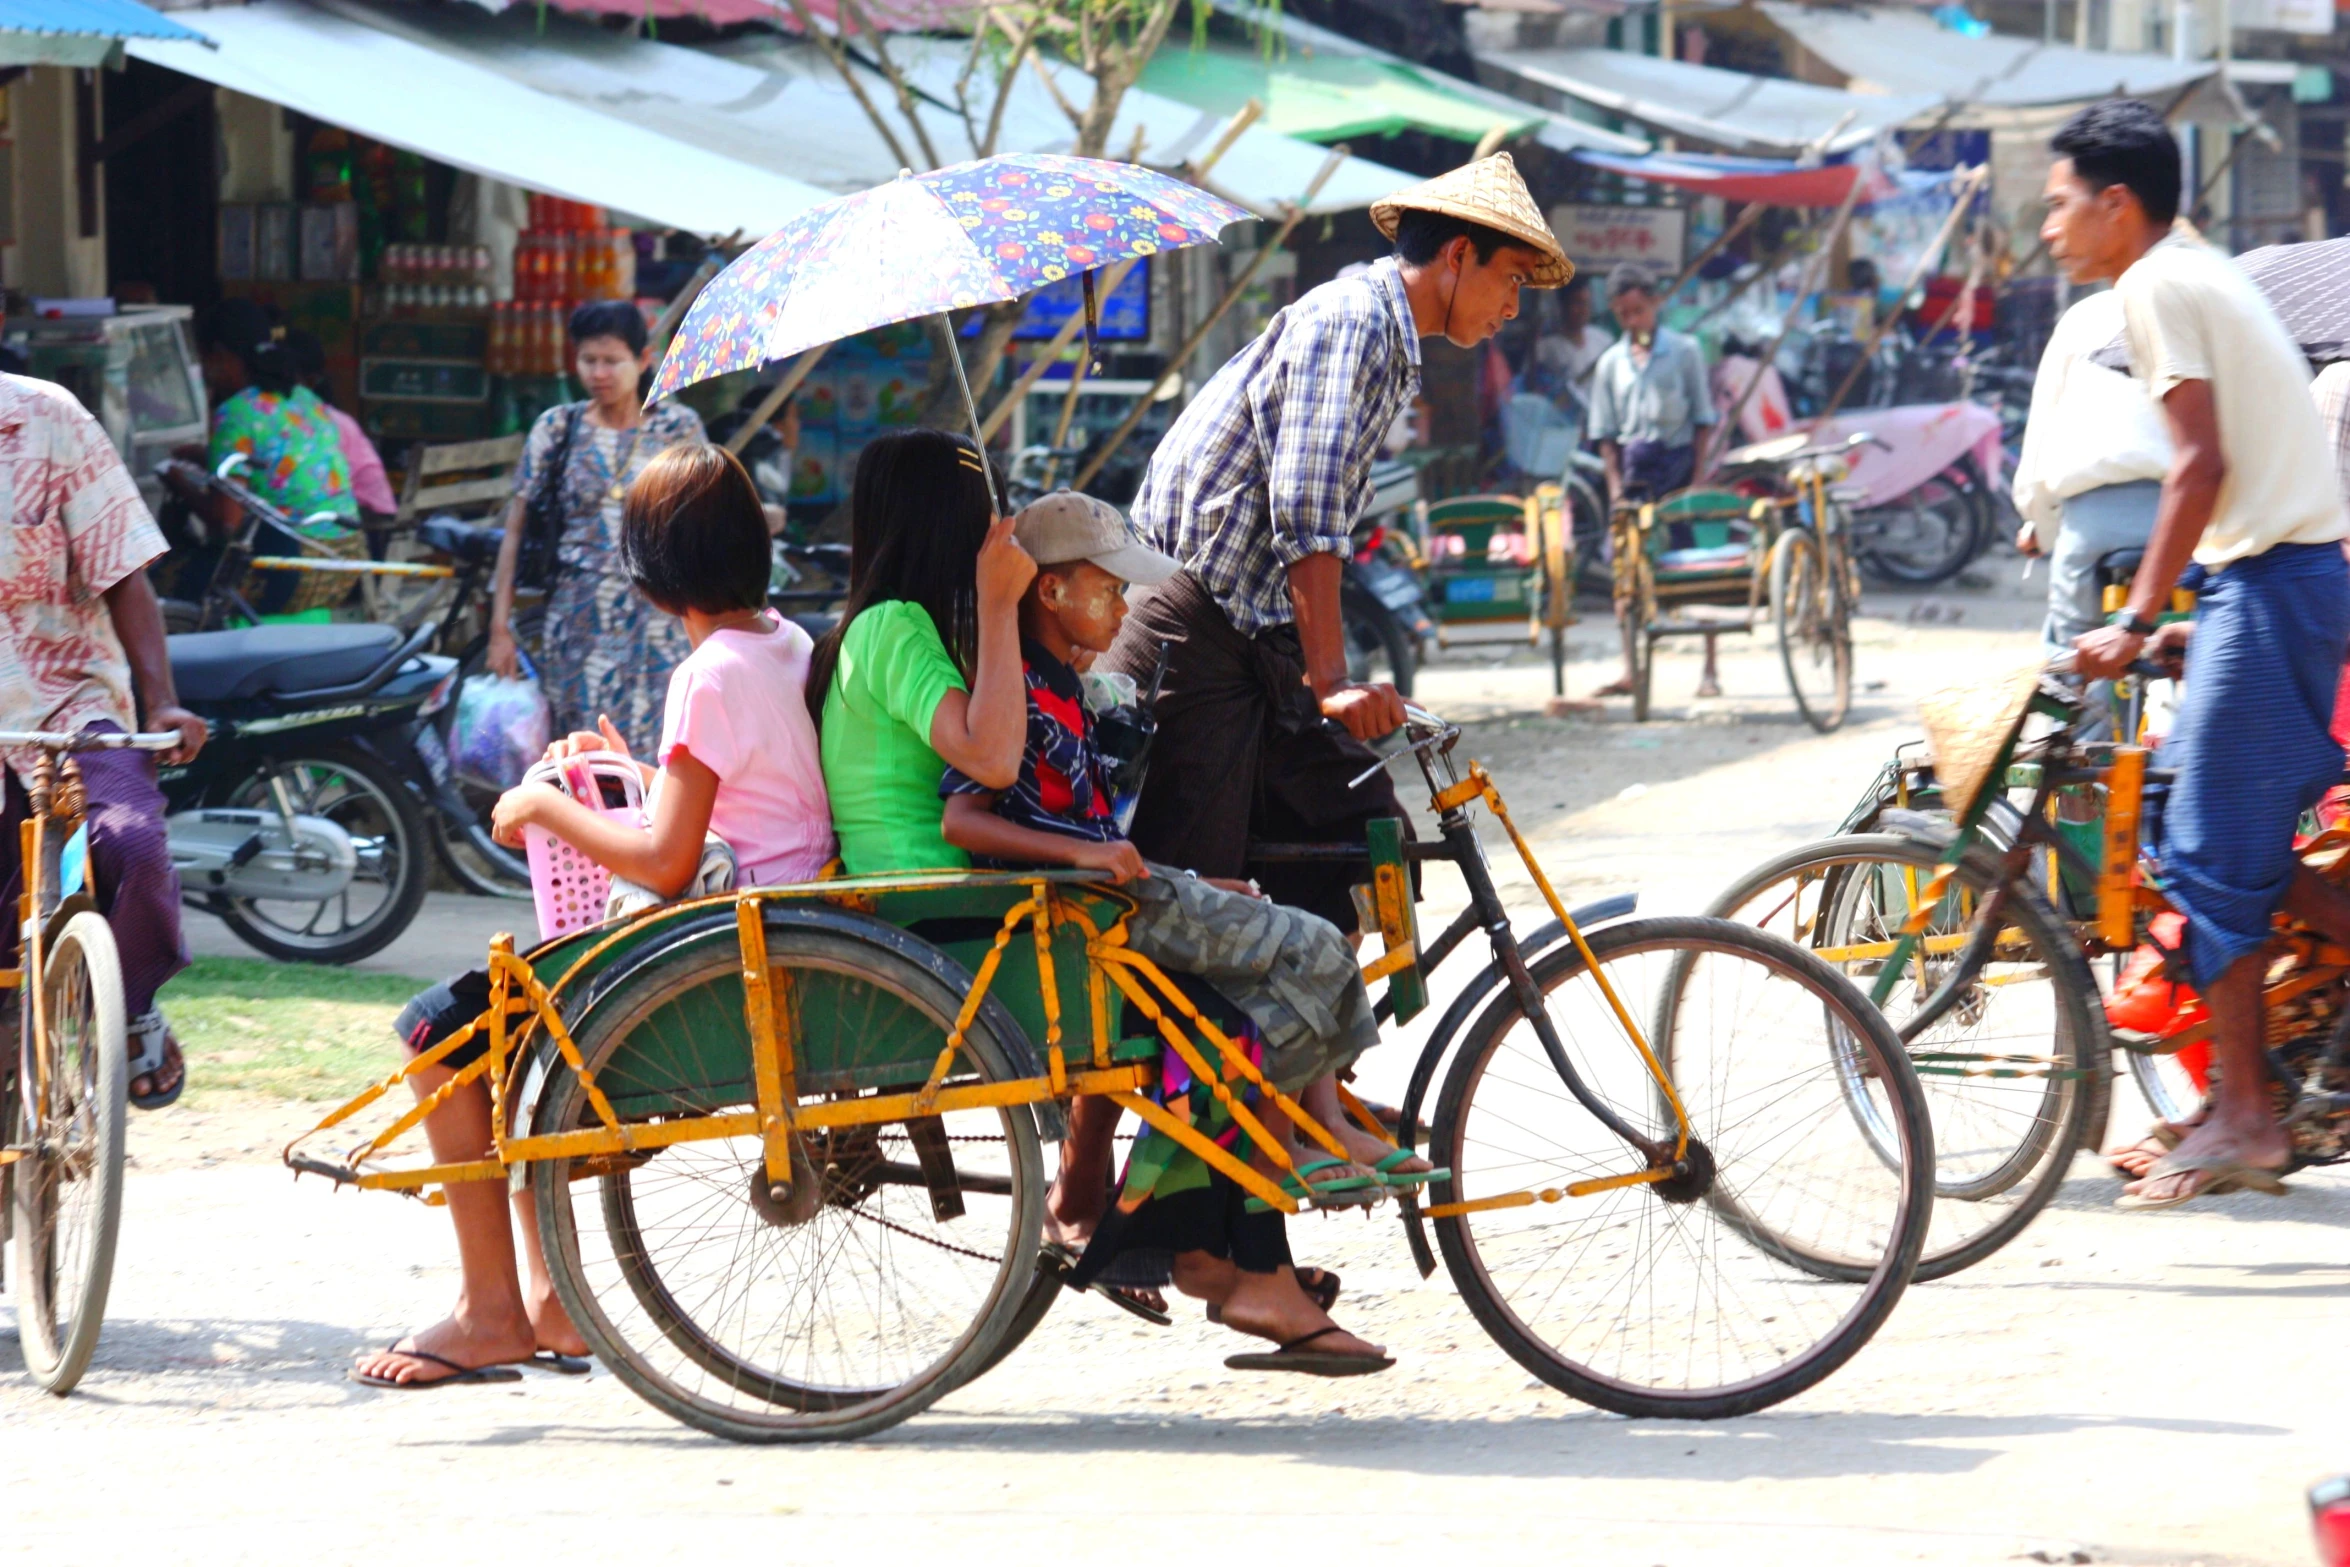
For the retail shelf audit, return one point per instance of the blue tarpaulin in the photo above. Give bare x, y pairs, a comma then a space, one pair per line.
80, 32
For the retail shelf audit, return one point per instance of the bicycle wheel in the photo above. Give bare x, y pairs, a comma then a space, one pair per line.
2014, 1074
1731, 1287
74, 1086
903, 1257
1815, 638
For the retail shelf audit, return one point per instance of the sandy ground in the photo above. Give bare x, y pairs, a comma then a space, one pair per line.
2110, 1388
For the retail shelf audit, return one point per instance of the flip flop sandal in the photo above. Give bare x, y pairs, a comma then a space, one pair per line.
2227, 1176
1056, 1261
151, 1037
467, 1374
1320, 1285
1405, 1180
1352, 1191
1294, 1356
554, 1360
2163, 1136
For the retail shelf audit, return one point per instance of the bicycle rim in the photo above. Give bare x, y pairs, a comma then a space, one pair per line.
68, 1190
1815, 641
1703, 1299
765, 1322
2009, 1073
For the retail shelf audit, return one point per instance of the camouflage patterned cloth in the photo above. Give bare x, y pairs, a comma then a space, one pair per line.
1290, 971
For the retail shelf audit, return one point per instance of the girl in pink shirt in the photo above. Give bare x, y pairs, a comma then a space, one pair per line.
738, 760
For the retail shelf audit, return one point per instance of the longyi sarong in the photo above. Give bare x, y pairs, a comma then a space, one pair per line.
2250, 746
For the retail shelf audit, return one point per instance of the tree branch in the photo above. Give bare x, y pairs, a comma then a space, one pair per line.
1021, 45
897, 82
848, 74
1044, 74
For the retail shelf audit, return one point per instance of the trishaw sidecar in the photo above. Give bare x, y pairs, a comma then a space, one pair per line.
787, 1145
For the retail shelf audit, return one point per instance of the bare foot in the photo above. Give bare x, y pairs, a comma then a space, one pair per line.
1709, 686
1367, 1150
550, 1325
463, 1343
1620, 686
2135, 1159
1272, 1306
164, 1078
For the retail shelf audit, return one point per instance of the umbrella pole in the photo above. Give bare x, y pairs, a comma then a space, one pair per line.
944, 328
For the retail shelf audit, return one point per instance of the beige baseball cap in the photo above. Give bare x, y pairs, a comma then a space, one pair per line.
1068, 526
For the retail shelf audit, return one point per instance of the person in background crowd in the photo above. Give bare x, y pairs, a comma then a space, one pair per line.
371, 487
605, 652
263, 411
2090, 476
1575, 352
81, 648
1652, 414
2251, 498
769, 453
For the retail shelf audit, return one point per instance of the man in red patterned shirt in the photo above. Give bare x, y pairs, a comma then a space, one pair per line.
81, 647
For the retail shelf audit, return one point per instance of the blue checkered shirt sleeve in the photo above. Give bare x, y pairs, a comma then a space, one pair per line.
1320, 410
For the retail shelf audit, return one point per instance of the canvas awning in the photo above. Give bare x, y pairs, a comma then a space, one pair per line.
1777, 182
1321, 72
87, 34
338, 63
1728, 109
1328, 98
1886, 51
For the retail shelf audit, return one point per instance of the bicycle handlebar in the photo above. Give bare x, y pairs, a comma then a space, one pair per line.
88, 740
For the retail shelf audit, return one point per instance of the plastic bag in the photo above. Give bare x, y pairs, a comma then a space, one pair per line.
502, 727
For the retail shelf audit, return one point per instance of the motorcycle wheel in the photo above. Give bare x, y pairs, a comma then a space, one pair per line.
181, 617
1923, 537
370, 802
1378, 648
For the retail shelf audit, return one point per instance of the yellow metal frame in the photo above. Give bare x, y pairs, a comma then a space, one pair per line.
522, 1006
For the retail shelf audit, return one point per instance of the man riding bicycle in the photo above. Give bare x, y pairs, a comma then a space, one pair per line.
2250, 497
80, 633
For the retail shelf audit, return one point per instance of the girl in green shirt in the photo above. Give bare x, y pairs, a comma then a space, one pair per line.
924, 668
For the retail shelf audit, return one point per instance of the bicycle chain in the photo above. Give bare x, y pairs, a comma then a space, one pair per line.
928, 1240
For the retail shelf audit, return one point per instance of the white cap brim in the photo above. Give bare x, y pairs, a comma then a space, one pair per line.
1137, 563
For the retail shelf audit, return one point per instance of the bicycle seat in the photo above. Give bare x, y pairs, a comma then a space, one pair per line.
2119, 568
475, 543
228, 666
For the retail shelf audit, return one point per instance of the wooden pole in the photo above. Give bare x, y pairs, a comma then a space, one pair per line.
1239, 285
1745, 221
774, 399
1803, 292
1963, 192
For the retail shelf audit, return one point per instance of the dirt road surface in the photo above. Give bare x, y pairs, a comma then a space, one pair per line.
2111, 1388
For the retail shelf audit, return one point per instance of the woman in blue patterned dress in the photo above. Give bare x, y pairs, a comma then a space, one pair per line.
606, 651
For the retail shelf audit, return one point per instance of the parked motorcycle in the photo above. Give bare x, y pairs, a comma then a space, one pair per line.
301, 823
1382, 603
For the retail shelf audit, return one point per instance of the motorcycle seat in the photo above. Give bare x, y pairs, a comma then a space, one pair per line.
228, 666
475, 543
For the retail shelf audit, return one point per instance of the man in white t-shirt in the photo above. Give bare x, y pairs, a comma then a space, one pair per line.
2250, 499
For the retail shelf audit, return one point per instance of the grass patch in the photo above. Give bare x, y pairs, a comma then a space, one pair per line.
285, 1030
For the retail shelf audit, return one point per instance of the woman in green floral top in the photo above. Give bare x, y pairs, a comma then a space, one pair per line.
606, 652
295, 452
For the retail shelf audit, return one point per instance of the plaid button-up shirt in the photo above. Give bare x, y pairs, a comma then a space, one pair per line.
1272, 460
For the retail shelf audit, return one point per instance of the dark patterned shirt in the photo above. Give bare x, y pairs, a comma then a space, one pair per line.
1061, 788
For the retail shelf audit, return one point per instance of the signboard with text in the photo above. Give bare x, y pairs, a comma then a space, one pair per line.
1596, 238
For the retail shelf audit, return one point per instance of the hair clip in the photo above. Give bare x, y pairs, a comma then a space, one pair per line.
965, 456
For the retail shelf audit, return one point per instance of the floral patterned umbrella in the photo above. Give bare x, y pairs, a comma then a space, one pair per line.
924, 244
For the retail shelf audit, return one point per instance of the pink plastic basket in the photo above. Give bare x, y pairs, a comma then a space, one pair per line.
568, 888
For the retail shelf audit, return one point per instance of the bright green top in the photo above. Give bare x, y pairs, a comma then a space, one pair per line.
879, 769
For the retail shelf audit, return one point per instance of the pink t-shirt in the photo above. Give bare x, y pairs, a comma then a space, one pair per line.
739, 704
371, 487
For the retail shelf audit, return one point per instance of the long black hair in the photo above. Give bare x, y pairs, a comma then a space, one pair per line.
247, 330
918, 513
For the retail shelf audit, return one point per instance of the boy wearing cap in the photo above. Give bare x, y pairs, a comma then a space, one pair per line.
1291, 972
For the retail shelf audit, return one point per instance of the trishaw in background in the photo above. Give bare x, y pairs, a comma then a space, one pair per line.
66, 1086
787, 1145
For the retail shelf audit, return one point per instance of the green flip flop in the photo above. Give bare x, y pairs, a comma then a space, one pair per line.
1317, 1194
1404, 1180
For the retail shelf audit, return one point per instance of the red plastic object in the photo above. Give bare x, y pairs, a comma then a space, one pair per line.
2329, 1519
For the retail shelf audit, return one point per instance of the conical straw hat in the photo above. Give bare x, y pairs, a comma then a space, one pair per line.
1968, 728
1490, 192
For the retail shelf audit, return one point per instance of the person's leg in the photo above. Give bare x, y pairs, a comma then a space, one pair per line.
491, 1322
2239, 1127
1074, 1203
550, 1325
1710, 682
1263, 1305
137, 889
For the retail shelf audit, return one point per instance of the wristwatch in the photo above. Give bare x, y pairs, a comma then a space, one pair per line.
2139, 626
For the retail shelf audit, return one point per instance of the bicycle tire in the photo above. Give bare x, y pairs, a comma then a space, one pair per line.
1985, 1195
67, 1193
1813, 624
631, 1298
1882, 1246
